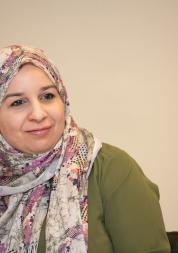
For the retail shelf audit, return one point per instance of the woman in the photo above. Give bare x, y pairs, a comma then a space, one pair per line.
61, 189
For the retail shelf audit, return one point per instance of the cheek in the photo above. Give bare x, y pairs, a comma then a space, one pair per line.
59, 115
10, 124
9, 132
60, 119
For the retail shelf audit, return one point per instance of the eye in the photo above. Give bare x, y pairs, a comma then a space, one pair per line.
17, 103
47, 96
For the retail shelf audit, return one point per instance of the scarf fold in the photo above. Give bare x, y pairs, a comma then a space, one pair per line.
52, 185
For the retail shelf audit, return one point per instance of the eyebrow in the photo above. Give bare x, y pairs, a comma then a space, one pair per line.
48, 87
18, 94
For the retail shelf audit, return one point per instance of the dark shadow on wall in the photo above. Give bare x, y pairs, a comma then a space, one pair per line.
173, 239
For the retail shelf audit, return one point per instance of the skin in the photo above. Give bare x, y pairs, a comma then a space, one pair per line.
32, 113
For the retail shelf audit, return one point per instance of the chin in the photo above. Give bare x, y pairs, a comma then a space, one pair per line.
40, 149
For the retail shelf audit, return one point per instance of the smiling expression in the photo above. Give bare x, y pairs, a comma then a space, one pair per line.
32, 113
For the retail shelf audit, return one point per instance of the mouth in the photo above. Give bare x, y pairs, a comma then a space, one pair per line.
39, 131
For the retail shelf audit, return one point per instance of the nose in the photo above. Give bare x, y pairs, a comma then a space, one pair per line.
37, 112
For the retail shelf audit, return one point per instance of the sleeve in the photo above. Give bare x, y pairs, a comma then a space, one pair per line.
132, 214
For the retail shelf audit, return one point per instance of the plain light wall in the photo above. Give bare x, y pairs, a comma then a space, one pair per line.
119, 62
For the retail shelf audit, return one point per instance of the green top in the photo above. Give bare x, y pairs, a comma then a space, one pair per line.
123, 207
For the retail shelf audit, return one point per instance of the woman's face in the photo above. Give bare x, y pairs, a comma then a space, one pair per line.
32, 112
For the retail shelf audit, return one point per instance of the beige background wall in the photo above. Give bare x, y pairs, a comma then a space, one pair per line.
119, 62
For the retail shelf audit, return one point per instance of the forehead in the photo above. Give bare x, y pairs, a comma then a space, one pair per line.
29, 69
27, 78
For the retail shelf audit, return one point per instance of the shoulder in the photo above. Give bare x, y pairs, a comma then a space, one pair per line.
109, 154
126, 202
114, 168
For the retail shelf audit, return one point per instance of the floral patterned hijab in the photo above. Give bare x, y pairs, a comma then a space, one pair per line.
52, 185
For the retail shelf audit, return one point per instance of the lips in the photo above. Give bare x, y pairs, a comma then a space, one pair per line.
39, 131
